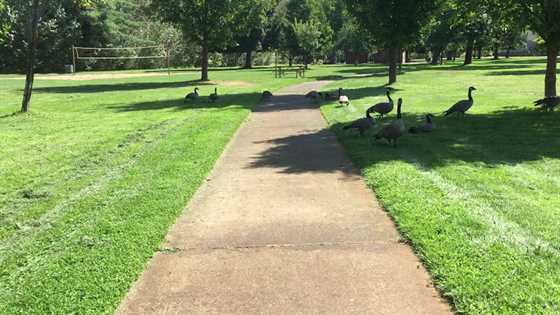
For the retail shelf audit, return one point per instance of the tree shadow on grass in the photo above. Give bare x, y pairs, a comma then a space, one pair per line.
245, 100
519, 72
116, 87
503, 137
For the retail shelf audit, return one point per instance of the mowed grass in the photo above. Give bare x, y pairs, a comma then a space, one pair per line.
93, 177
479, 199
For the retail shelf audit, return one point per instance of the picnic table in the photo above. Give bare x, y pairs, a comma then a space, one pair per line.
281, 71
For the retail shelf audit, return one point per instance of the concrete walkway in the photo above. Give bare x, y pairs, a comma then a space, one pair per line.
284, 225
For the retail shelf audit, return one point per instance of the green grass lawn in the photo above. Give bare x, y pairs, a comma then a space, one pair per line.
479, 199
92, 179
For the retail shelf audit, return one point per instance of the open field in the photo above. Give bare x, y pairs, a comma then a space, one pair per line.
479, 199
91, 180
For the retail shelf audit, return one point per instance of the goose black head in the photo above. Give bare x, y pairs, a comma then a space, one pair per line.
472, 88
196, 89
399, 105
429, 118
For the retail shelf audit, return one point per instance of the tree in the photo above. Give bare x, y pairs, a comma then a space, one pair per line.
441, 31
543, 16
32, 39
393, 24
504, 22
251, 18
472, 26
308, 36
36, 12
353, 39
207, 23
4, 21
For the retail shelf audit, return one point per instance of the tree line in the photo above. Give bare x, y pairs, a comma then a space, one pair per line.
303, 31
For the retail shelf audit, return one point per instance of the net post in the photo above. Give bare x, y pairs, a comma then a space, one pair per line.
74, 59
167, 53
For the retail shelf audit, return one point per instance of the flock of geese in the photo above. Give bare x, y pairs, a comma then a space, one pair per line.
195, 96
392, 131
395, 129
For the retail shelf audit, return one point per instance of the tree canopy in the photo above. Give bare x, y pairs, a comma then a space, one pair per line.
393, 24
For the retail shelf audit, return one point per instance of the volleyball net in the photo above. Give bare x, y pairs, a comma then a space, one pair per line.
121, 57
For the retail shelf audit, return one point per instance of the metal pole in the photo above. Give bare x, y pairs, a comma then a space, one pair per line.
74, 60
167, 52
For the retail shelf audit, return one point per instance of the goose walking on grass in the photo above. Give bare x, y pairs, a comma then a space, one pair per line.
328, 96
548, 103
383, 108
214, 96
427, 127
192, 96
463, 106
362, 124
266, 95
394, 130
343, 99
313, 95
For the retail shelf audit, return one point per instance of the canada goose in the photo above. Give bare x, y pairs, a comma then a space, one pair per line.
214, 96
192, 95
394, 130
328, 96
384, 107
362, 124
427, 127
343, 99
548, 103
462, 106
313, 95
266, 95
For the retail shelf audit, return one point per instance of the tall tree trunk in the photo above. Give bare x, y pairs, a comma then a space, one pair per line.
33, 38
469, 52
290, 61
508, 53
479, 52
392, 54
248, 59
550, 79
496, 52
204, 62
436, 53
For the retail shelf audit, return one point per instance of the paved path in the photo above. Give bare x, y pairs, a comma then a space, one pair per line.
284, 225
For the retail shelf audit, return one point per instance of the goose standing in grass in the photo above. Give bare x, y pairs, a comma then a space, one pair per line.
462, 106
313, 95
266, 95
362, 124
328, 96
383, 108
343, 99
548, 103
192, 96
214, 96
427, 127
394, 130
